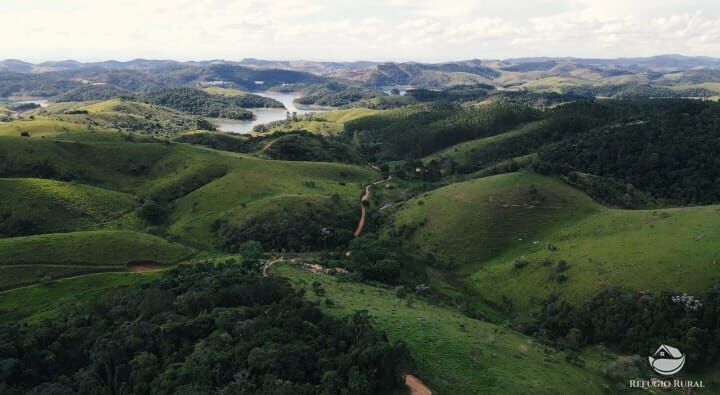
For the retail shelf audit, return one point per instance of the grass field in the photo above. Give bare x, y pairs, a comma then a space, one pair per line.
216, 90
30, 259
116, 114
326, 123
462, 153
250, 181
48, 301
456, 354
91, 248
55, 206
662, 250
473, 221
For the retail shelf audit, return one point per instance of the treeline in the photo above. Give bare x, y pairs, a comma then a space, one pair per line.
301, 227
93, 92
198, 102
416, 131
201, 328
36, 85
335, 94
461, 93
634, 322
635, 151
294, 146
665, 148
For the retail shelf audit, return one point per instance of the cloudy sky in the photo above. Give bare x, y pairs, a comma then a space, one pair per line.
423, 30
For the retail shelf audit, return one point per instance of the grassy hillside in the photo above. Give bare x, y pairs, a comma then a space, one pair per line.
126, 115
643, 250
48, 301
39, 258
463, 153
475, 220
456, 354
90, 248
326, 123
251, 180
42, 127
32, 206
197, 185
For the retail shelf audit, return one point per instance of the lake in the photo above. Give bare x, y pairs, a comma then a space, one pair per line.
264, 115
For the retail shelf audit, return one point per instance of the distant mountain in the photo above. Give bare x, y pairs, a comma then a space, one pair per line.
15, 66
653, 63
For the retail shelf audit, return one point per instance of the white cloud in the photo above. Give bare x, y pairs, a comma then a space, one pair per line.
342, 29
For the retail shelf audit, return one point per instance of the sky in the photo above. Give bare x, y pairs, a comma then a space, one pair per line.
344, 30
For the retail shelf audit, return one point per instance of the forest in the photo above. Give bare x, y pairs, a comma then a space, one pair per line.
258, 334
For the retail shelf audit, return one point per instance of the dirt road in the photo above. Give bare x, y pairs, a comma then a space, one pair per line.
416, 386
365, 196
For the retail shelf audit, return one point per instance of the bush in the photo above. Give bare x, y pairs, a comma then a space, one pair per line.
152, 212
521, 263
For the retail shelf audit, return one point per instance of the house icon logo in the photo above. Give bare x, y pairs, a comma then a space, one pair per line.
667, 360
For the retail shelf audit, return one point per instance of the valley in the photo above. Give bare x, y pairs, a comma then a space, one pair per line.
485, 226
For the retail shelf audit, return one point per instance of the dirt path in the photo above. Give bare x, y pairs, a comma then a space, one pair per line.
146, 266
268, 145
266, 266
416, 386
365, 196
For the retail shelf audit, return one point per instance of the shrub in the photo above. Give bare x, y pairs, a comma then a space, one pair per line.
521, 263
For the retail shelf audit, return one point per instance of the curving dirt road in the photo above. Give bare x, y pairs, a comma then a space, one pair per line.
365, 196
416, 386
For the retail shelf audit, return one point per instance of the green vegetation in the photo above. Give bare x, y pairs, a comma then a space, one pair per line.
125, 115
102, 248
416, 131
197, 102
33, 206
205, 315
467, 154
334, 94
55, 299
455, 354
473, 221
499, 242
660, 250
44, 258
93, 92
325, 123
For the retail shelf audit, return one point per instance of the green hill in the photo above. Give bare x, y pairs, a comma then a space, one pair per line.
326, 123
455, 354
467, 154
640, 250
90, 248
30, 259
49, 301
250, 180
125, 115
32, 206
473, 221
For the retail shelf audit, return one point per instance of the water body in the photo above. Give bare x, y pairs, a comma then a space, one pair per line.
264, 115
402, 88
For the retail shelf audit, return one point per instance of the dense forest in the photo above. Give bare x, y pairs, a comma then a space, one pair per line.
415, 131
201, 103
634, 322
667, 149
298, 146
92, 93
318, 226
203, 328
334, 94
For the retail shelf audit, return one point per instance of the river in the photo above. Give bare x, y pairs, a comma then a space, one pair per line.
264, 115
